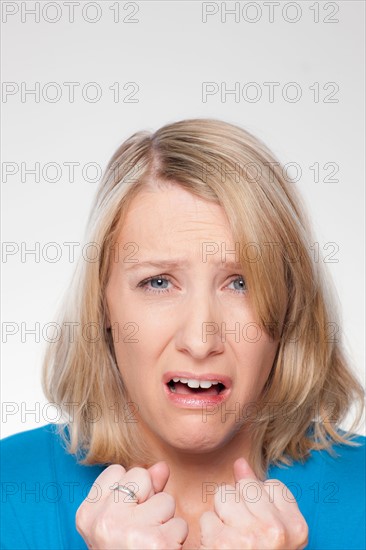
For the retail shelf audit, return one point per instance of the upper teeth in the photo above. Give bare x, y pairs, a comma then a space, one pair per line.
192, 383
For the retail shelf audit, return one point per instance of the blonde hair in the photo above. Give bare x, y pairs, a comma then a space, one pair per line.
223, 163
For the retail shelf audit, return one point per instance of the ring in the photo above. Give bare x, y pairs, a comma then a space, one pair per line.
125, 490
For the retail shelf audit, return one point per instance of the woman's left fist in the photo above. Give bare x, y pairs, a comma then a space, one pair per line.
253, 515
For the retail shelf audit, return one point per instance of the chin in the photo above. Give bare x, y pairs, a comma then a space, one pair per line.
203, 439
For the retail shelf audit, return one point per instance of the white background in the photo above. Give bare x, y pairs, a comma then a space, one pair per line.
168, 52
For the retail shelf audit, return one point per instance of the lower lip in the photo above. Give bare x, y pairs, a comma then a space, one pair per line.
195, 400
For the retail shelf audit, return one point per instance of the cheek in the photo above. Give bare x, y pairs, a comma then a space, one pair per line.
134, 350
258, 360
268, 352
130, 315
129, 365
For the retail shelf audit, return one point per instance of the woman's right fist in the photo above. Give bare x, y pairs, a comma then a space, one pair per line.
116, 521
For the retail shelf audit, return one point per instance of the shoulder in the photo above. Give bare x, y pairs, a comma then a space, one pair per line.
42, 453
37, 452
340, 460
16, 441
42, 486
23, 450
329, 489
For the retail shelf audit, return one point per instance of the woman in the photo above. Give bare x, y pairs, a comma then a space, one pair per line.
200, 368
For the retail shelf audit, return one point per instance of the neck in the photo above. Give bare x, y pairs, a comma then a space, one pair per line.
195, 477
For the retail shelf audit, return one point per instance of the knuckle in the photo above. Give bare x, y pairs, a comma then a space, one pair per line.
139, 476
300, 529
169, 499
249, 540
139, 538
277, 482
102, 528
133, 537
273, 482
81, 517
157, 543
277, 534
222, 544
137, 470
115, 469
224, 540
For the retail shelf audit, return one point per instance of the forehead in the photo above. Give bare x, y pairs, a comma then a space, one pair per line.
173, 215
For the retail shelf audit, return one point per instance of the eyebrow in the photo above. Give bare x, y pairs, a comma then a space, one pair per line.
164, 264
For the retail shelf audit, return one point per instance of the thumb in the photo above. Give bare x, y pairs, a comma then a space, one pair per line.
159, 473
242, 470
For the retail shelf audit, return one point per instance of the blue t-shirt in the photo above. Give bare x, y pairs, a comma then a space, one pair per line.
43, 485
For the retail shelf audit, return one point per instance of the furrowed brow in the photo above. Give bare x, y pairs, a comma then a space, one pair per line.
171, 264
164, 264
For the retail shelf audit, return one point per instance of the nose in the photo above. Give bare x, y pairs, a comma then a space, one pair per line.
199, 330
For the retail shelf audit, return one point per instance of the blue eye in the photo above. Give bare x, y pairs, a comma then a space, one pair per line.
159, 288
241, 287
162, 282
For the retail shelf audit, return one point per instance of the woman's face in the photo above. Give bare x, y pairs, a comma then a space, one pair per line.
192, 320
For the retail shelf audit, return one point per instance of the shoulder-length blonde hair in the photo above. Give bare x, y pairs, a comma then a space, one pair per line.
311, 386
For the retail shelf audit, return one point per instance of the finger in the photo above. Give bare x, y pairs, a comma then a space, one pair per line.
281, 496
284, 500
91, 506
159, 473
228, 506
210, 526
159, 508
256, 499
238, 507
175, 531
272, 503
242, 469
105, 480
253, 491
137, 480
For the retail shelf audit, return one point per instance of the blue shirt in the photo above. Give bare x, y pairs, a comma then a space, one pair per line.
43, 485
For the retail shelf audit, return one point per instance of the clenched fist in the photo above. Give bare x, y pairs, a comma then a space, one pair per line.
118, 521
265, 521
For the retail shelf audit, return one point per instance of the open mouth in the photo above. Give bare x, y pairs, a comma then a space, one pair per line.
184, 386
